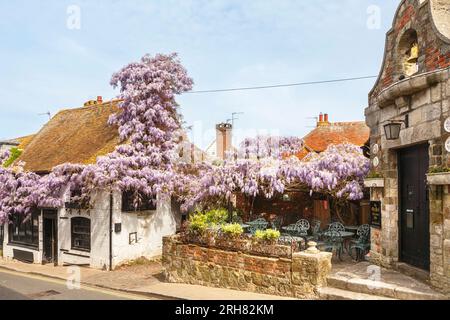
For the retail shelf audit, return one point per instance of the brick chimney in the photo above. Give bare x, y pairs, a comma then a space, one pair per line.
99, 99
224, 137
323, 120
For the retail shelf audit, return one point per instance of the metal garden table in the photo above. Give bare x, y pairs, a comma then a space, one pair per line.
346, 237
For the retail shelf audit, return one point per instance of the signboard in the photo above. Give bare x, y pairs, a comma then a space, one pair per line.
375, 214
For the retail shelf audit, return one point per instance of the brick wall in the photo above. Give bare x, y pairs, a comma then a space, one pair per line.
434, 53
299, 276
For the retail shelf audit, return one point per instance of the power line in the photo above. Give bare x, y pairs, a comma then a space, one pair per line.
282, 85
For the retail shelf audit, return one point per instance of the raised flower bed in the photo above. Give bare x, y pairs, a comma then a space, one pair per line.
243, 244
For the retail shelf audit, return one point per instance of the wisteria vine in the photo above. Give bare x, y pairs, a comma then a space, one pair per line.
149, 126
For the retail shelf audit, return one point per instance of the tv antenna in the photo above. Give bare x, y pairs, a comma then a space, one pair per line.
46, 114
234, 118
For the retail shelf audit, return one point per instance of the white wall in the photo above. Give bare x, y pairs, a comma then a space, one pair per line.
150, 226
98, 257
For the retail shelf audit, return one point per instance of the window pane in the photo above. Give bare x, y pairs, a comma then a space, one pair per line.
81, 233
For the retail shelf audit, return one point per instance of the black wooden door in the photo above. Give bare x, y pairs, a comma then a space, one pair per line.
50, 235
414, 207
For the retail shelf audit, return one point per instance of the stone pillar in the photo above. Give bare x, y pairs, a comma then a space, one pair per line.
310, 272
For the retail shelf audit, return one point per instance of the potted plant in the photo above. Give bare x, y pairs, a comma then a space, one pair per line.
439, 176
374, 180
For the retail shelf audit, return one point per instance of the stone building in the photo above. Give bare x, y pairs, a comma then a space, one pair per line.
409, 119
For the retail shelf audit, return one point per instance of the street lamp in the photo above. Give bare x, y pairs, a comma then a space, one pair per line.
393, 128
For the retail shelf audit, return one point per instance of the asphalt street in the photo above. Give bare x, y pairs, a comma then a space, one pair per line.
17, 286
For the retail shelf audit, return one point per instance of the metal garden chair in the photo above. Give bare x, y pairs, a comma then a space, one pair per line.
362, 244
277, 223
315, 231
333, 243
258, 224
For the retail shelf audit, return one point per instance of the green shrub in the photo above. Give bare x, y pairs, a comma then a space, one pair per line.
439, 170
272, 235
268, 235
374, 175
198, 223
233, 230
216, 216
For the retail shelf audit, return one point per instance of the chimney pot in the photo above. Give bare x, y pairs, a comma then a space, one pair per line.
321, 117
326, 117
99, 99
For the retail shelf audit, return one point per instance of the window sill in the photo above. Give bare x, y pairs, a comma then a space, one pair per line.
24, 246
84, 251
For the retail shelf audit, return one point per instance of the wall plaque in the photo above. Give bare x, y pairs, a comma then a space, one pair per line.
375, 162
375, 214
375, 149
447, 125
447, 145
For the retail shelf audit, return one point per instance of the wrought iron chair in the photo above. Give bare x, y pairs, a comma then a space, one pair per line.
277, 223
302, 227
336, 226
362, 244
288, 240
315, 232
333, 243
258, 224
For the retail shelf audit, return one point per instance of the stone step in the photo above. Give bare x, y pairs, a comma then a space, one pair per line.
329, 293
378, 288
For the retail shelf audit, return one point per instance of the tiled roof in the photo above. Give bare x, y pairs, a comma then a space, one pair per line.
319, 139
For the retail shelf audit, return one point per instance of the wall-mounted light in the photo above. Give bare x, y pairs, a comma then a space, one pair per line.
392, 129
286, 197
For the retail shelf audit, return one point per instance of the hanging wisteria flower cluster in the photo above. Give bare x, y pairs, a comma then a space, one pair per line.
149, 126
262, 147
339, 172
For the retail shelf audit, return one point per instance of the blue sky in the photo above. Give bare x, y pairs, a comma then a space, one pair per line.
45, 66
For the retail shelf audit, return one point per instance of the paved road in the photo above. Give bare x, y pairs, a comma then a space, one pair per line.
17, 286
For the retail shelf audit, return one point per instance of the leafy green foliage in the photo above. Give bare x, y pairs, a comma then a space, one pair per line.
439, 170
233, 230
201, 221
374, 175
198, 223
267, 235
217, 216
15, 153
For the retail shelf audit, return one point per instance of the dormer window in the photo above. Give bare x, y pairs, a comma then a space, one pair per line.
409, 53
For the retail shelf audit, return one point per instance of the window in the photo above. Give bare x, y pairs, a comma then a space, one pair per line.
25, 230
132, 201
81, 234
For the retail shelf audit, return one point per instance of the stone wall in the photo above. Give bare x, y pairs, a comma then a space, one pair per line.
440, 237
424, 100
299, 276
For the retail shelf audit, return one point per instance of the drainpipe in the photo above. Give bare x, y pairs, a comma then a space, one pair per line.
111, 201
